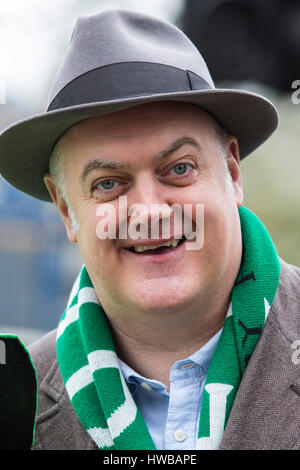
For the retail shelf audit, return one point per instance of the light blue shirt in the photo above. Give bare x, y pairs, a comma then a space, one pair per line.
173, 418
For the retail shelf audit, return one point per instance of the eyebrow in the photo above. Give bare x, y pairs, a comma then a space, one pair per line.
113, 165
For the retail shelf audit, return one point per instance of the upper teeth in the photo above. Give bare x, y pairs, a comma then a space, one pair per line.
139, 249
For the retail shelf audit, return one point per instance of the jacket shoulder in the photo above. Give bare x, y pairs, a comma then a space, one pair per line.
57, 425
286, 304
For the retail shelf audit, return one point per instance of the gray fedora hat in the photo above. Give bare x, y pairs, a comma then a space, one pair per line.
118, 59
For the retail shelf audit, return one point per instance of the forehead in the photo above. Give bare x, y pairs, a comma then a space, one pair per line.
125, 134
143, 118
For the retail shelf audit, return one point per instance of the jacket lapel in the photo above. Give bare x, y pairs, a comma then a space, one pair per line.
58, 427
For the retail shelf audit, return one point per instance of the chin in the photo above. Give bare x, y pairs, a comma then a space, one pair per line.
163, 297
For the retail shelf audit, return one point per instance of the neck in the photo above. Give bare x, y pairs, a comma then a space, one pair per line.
152, 346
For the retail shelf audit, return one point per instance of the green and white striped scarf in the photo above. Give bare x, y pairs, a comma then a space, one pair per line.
90, 369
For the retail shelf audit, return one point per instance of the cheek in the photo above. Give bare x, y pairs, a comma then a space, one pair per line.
207, 199
215, 218
92, 247
222, 230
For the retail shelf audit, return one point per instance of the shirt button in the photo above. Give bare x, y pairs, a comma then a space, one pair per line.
187, 366
146, 386
179, 435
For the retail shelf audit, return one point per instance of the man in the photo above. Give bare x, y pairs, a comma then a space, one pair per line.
179, 341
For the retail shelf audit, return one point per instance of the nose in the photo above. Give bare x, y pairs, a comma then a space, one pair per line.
147, 190
151, 209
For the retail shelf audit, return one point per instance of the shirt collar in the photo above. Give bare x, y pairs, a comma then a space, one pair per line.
202, 357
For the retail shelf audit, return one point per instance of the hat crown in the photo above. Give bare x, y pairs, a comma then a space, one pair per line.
119, 36
117, 60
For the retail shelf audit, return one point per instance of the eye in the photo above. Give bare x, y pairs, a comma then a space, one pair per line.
181, 168
106, 184
108, 188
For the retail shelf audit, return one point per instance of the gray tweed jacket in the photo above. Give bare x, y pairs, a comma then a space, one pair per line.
266, 411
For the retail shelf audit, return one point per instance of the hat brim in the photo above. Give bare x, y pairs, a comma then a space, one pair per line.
25, 146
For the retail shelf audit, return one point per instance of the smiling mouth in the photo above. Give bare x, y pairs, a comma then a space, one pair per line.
164, 247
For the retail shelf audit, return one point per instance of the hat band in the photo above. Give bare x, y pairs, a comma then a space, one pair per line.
126, 80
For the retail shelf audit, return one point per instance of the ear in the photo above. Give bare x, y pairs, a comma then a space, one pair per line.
233, 162
61, 205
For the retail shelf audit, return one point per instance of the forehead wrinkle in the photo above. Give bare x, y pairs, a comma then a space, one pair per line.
135, 132
162, 114
156, 110
114, 129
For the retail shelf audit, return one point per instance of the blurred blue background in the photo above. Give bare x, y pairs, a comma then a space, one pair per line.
37, 263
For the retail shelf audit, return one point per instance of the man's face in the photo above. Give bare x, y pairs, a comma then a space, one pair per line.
159, 153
